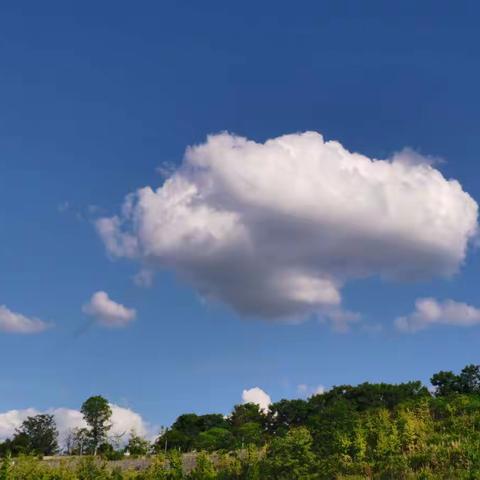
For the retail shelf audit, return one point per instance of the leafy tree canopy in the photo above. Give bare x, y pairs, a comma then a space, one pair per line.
97, 412
37, 435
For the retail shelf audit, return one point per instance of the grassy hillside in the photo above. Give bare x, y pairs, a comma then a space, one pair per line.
368, 431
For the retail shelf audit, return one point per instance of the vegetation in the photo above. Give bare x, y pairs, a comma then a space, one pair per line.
36, 436
97, 412
369, 431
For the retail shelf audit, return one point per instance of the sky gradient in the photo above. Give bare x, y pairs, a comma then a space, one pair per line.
98, 100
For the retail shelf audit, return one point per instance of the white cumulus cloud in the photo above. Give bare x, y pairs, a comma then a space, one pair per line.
123, 420
107, 312
12, 419
276, 229
257, 396
12, 322
430, 312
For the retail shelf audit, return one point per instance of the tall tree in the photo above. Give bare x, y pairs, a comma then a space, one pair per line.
247, 413
287, 414
469, 379
40, 434
445, 383
97, 413
184, 431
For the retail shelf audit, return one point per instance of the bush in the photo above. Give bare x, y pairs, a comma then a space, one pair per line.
291, 457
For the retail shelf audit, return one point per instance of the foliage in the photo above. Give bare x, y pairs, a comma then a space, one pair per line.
18, 445
107, 452
204, 469
6, 467
184, 432
247, 413
286, 414
447, 383
368, 431
249, 433
215, 439
137, 446
38, 435
291, 457
78, 442
97, 412
90, 469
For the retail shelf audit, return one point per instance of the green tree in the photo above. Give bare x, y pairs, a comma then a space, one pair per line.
247, 413
287, 414
97, 413
5, 448
18, 445
250, 463
174, 439
469, 379
250, 433
40, 434
291, 457
445, 383
215, 439
331, 425
184, 432
89, 469
370, 395
175, 465
6, 467
78, 442
204, 468
137, 446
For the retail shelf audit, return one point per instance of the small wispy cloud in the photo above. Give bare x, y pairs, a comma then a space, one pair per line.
144, 278
410, 156
80, 213
305, 390
108, 312
430, 312
13, 322
63, 207
166, 169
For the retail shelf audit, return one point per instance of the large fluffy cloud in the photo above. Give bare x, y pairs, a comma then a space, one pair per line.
257, 396
430, 312
124, 421
12, 322
275, 229
12, 419
107, 312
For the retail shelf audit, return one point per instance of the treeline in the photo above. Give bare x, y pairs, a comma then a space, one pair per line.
364, 431
249, 425
38, 434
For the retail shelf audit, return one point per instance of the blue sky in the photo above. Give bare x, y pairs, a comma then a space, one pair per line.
96, 96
